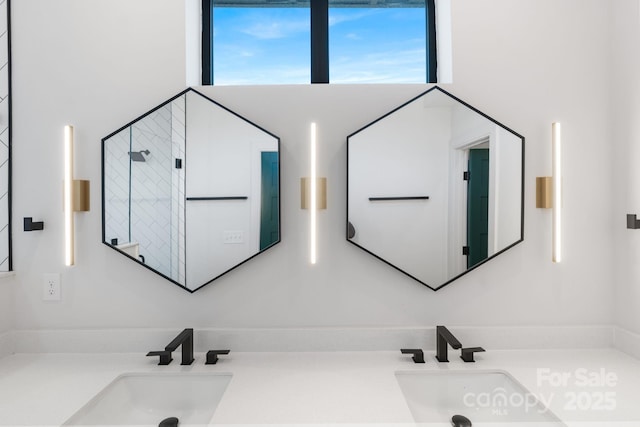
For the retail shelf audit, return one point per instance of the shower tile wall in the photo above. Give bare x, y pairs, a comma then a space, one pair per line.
151, 189
4, 136
116, 188
152, 215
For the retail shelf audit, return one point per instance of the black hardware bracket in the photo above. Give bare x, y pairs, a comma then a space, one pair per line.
30, 225
632, 222
381, 199
200, 199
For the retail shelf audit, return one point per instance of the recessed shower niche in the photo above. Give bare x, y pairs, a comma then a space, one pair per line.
435, 188
191, 190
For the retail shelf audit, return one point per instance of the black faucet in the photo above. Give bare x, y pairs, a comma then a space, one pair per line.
184, 339
418, 354
165, 356
212, 356
467, 353
444, 338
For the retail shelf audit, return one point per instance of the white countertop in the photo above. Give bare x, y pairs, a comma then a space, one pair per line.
322, 387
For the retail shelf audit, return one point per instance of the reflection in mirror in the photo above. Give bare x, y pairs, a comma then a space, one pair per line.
191, 190
435, 188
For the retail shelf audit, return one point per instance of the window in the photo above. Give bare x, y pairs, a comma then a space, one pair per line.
261, 45
377, 45
317, 41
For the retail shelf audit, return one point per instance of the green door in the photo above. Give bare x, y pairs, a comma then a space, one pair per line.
478, 206
269, 211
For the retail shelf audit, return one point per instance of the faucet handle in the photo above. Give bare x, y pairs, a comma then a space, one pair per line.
418, 354
165, 356
212, 356
467, 353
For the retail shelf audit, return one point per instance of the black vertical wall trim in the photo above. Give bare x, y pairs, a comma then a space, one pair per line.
432, 54
130, 175
319, 41
10, 118
207, 42
102, 187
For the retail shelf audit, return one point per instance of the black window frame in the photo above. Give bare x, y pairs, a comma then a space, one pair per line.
319, 42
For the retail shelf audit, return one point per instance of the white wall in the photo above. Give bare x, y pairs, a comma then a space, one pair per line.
508, 189
7, 315
405, 154
7, 312
221, 150
99, 64
625, 142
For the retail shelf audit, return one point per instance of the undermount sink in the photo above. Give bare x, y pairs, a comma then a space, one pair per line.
486, 398
149, 398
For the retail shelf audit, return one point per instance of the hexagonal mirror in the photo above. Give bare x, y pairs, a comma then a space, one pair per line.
435, 188
191, 190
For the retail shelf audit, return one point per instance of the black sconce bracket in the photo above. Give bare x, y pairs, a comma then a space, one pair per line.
30, 225
632, 222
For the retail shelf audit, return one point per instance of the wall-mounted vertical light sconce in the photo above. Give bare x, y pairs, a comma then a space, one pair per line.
313, 195
556, 163
76, 197
549, 191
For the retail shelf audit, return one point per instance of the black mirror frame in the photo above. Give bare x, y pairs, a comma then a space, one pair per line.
349, 227
184, 92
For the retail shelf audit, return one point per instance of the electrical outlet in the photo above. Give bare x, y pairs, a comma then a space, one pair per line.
51, 287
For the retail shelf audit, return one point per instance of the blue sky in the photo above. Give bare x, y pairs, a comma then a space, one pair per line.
271, 45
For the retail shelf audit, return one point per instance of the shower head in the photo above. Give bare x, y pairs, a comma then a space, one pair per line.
136, 156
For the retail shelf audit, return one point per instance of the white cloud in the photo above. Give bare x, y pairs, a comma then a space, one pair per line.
405, 66
271, 74
336, 17
275, 29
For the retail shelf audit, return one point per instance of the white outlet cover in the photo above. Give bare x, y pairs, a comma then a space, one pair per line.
51, 287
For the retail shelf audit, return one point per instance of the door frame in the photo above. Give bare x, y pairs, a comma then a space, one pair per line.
458, 164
